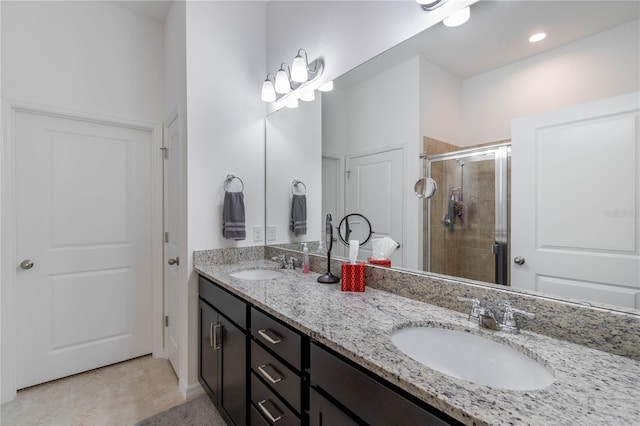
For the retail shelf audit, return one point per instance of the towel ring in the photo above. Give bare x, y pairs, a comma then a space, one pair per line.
228, 181
297, 182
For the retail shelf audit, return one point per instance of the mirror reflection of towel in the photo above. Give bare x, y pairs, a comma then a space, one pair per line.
233, 216
298, 217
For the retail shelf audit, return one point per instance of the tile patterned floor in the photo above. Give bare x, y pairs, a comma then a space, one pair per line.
118, 395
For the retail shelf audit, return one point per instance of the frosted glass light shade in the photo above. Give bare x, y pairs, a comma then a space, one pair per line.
308, 96
458, 18
299, 72
282, 82
327, 87
268, 91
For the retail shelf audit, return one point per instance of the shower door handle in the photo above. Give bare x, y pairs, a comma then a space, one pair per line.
519, 260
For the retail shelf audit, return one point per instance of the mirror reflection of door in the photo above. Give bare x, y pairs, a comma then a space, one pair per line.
375, 190
333, 192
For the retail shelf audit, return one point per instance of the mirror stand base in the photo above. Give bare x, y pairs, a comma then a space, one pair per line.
328, 278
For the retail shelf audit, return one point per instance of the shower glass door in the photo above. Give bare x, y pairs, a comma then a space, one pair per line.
467, 220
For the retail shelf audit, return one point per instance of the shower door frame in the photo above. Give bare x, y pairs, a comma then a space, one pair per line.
501, 153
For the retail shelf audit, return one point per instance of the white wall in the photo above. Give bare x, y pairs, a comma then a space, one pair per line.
606, 64
225, 127
294, 151
440, 104
89, 58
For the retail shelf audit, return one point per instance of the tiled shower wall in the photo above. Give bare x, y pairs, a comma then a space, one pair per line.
466, 251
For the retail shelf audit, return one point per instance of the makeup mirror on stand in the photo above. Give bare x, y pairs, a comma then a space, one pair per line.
328, 277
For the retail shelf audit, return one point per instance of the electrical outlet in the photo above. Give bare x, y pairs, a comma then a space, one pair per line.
258, 234
271, 234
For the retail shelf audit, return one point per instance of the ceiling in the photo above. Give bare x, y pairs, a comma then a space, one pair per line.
497, 34
154, 9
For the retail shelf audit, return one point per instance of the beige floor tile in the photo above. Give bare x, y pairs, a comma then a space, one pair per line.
120, 394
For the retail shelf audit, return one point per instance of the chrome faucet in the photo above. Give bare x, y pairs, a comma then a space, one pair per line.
286, 262
485, 317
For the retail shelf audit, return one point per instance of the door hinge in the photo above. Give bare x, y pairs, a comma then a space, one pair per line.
348, 172
166, 237
165, 151
166, 321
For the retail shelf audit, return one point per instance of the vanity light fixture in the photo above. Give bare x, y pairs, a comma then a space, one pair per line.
327, 87
430, 4
268, 90
537, 37
457, 18
292, 83
300, 68
308, 96
283, 83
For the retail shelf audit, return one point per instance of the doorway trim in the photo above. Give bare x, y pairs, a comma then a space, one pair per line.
8, 331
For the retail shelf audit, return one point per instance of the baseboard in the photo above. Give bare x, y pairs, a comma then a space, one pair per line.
193, 391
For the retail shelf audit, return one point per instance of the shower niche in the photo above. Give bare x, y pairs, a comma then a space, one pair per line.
466, 223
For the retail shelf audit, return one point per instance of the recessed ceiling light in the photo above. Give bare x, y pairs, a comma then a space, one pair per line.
537, 37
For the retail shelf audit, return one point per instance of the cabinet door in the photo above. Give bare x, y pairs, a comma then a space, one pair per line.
324, 413
233, 385
209, 355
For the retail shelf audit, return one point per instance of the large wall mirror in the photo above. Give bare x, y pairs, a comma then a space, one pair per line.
534, 148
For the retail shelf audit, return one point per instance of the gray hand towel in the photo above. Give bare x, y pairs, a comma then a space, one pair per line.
233, 216
298, 218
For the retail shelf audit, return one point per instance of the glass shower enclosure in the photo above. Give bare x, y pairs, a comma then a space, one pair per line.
466, 223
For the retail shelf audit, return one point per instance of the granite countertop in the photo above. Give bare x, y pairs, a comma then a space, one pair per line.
591, 386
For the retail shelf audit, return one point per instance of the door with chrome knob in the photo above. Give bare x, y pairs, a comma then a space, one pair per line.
26, 264
175, 261
519, 260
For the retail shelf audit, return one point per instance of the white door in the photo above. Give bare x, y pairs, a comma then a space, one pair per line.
83, 205
172, 179
575, 199
375, 190
333, 193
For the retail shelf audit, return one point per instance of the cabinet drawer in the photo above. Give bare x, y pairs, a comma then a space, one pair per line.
255, 419
278, 337
367, 398
324, 413
229, 305
270, 406
279, 377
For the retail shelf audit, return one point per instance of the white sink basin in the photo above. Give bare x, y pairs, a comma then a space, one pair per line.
256, 274
473, 358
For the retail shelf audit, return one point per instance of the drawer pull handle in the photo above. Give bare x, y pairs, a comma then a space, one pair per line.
274, 339
263, 370
266, 411
217, 344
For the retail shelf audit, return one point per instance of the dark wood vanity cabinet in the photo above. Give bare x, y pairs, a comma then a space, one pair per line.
279, 385
344, 394
223, 351
260, 371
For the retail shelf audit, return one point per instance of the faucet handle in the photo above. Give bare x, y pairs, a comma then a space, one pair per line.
474, 315
509, 319
280, 258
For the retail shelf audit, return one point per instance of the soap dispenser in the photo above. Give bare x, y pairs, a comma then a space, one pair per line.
305, 258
